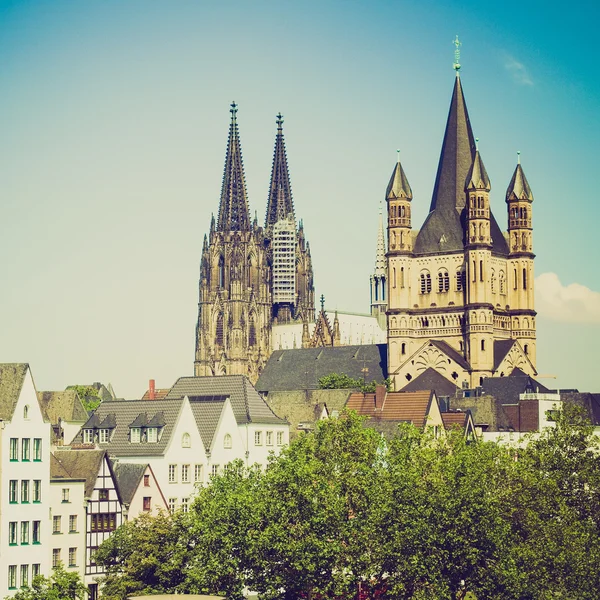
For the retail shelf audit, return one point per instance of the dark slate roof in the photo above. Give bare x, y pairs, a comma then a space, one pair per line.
207, 412
501, 349
398, 187
508, 389
477, 177
126, 412
455, 355
519, 186
128, 479
79, 464
430, 379
301, 368
248, 406
65, 405
443, 229
12, 376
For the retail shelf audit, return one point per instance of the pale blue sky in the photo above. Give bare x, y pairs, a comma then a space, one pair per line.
113, 126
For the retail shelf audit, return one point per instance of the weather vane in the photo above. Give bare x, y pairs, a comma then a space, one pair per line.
457, 45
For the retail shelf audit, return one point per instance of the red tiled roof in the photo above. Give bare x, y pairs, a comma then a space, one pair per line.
412, 407
454, 419
158, 394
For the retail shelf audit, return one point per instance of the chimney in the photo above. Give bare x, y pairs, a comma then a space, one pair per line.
151, 390
380, 393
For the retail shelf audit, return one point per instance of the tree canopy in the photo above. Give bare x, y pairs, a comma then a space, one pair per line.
61, 585
341, 381
411, 518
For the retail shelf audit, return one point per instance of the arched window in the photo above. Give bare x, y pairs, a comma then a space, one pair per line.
425, 282
526, 348
460, 275
401, 277
474, 270
221, 272
483, 345
403, 348
443, 281
524, 278
493, 282
252, 332
219, 330
402, 211
26, 411
186, 440
516, 280
502, 281
394, 276
227, 442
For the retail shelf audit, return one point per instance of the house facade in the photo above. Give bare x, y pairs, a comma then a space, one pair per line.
24, 480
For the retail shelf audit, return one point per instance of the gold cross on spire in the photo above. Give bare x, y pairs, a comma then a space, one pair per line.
457, 45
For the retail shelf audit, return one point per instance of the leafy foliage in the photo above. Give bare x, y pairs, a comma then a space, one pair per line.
61, 585
341, 381
88, 395
414, 518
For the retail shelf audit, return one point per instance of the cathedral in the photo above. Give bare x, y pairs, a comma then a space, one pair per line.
459, 294
251, 277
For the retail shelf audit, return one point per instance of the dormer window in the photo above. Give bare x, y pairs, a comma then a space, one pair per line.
88, 436
103, 436
152, 435
135, 434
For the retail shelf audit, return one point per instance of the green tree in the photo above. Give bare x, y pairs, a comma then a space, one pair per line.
61, 585
341, 381
88, 395
147, 554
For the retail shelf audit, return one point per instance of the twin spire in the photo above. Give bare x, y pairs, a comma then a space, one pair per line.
233, 205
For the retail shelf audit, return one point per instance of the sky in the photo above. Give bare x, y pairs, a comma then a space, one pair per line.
113, 127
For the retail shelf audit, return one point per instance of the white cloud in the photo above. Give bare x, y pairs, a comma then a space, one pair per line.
517, 70
573, 303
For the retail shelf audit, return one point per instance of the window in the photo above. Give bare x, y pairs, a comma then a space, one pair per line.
37, 449
24, 575
280, 438
25, 490
460, 281
93, 550
135, 435
227, 443
172, 473
198, 475
26, 412
35, 570
88, 436
524, 279
185, 504
103, 494
147, 503
172, 505
14, 449
37, 490
104, 521
12, 577
152, 435
425, 283
493, 282
269, 438
186, 440
56, 524
36, 532
72, 557
483, 345
25, 448
214, 470
12, 533
72, 523
65, 494
146, 480
480, 270
502, 282
103, 436
185, 473
258, 438
24, 532
526, 349
443, 281
401, 277
403, 348
515, 279
12, 491
55, 557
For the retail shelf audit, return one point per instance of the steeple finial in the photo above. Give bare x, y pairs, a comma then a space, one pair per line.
279, 121
398, 155
457, 45
233, 110
322, 302
518, 157
477, 144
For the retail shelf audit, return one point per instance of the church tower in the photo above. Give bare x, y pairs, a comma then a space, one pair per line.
288, 252
460, 299
234, 311
379, 280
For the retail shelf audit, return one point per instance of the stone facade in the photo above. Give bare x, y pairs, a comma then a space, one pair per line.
460, 280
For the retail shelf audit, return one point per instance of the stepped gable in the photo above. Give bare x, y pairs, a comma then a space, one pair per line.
301, 368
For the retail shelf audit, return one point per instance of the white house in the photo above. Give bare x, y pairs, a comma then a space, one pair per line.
139, 490
202, 424
24, 480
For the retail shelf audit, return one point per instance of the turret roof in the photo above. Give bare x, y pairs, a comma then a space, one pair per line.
233, 206
519, 187
398, 187
478, 179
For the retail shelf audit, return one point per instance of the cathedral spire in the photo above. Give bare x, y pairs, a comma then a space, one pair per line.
280, 191
380, 262
233, 206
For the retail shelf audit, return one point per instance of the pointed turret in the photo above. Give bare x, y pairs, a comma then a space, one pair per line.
379, 277
280, 190
233, 207
519, 199
477, 178
399, 195
398, 187
519, 189
478, 188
